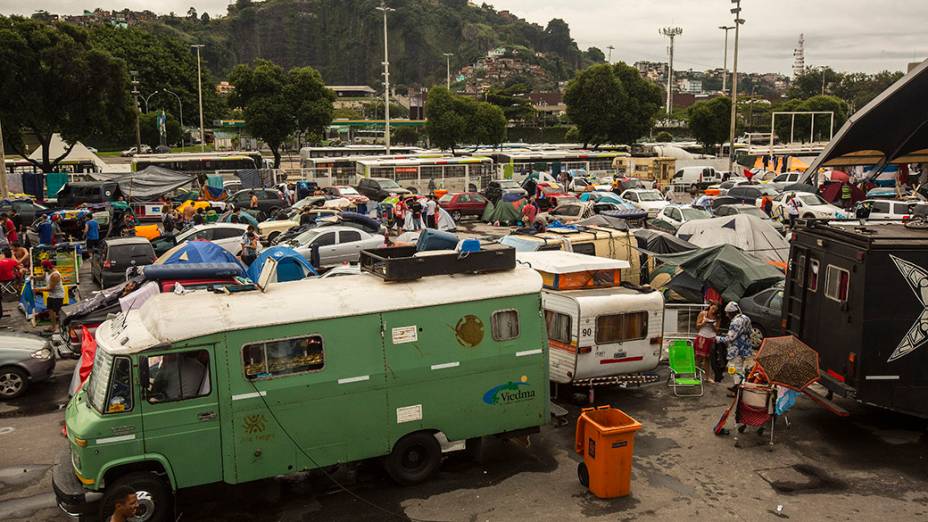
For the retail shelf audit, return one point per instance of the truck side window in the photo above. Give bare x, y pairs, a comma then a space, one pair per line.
813, 275
177, 376
283, 357
558, 326
120, 393
836, 283
505, 325
621, 327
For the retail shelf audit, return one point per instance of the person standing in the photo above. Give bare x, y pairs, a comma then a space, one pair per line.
10, 270
253, 201
739, 343
792, 210
707, 327
846, 195
189, 211
529, 210
766, 204
249, 246
430, 212
92, 234
168, 222
200, 217
416, 208
10, 228
21, 255
902, 179
55, 291
46, 232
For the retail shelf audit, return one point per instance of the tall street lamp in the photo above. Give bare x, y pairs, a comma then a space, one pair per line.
734, 86
146, 98
448, 69
180, 107
725, 28
200, 96
386, 76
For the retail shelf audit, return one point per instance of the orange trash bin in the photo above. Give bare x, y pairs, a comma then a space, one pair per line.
606, 439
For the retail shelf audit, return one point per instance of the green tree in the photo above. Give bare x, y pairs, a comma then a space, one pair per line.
595, 55
446, 125
277, 104
710, 121
487, 123
405, 135
611, 104
515, 106
55, 81
148, 127
802, 129
663, 137
374, 110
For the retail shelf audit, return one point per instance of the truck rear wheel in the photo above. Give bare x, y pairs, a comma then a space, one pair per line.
153, 494
415, 458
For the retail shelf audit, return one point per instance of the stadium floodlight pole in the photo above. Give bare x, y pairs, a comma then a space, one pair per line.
200, 96
386, 77
448, 69
725, 28
734, 86
611, 47
670, 32
180, 107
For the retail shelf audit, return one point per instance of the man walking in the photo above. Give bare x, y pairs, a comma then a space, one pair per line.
431, 207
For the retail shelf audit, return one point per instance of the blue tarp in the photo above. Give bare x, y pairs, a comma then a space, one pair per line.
291, 266
198, 251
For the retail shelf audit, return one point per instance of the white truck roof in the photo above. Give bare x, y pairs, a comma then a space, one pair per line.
563, 262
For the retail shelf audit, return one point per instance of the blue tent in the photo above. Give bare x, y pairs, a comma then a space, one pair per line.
197, 251
291, 266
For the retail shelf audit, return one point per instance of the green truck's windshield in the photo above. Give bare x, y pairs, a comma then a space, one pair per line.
99, 379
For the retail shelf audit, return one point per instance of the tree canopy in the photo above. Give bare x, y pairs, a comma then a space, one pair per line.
277, 104
46, 89
710, 121
802, 131
857, 89
453, 120
611, 104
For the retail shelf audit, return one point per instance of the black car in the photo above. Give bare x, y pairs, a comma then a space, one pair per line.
269, 200
497, 188
377, 189
750, 193
765, 309
116, 255
73, 194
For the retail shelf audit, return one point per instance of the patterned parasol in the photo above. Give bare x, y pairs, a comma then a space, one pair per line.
788, 361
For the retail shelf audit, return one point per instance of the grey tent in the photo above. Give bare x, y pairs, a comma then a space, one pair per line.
149, 183
749, 233
725, 268
600, 220
654, 242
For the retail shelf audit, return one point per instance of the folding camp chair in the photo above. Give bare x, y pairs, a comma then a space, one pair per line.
11, 287
683, 370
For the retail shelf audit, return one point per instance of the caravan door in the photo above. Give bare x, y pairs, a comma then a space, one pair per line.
562, 320
623, 329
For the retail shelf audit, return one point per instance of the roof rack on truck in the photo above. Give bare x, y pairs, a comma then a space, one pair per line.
405, 263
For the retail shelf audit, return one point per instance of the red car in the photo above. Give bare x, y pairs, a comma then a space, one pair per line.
460, 204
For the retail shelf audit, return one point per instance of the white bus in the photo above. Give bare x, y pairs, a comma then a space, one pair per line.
522, 163
200, 162
353, 150
455, 174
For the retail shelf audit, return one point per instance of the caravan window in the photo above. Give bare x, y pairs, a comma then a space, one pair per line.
836, 283
621, 327
505, 325
585, 248
283, 357
813, 275
558, 326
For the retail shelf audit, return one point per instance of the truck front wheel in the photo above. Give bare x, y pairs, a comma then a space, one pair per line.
415, 458
153, 494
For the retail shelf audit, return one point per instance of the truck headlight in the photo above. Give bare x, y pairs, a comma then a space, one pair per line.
43, 355
76, 460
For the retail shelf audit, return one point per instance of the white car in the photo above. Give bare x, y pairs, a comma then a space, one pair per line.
888, 210
226, 235
676, 215
132, 151
336, 244
811, 206
648, 200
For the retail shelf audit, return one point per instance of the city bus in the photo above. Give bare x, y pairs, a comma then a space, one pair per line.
455, 174
353, 150
80, 166
200, 162
519, 164
341, 170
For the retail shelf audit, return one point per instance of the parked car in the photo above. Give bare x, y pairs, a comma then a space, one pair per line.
226, 235
751, 210
765, 308
648, 200
573, 211
334, 245
750, 194
24, 360
671, 217
118, 254
132, 151
347, 192
27, 209
811, 206
888, 210
695, 178
497, 188
378, 189
781, 181
461, 204
269, 200
73, 194
721, 189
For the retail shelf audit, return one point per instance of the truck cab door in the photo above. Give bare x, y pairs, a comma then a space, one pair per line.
180, 413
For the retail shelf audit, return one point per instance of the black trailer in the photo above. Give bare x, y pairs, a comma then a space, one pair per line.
859, 296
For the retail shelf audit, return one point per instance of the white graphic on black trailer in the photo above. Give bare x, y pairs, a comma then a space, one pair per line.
917, 277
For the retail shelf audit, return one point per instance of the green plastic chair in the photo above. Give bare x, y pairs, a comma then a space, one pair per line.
683, 371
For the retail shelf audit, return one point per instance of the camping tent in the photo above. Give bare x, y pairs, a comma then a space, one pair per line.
149, 183
291, 266
503, 212
79, 152
197, 251
725, 268
658, 242
749, 233
831, 192
600, 220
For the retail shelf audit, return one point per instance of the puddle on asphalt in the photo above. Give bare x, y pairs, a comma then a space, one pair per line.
800, 478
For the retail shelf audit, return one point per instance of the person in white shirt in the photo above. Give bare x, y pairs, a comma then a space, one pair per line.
430, 212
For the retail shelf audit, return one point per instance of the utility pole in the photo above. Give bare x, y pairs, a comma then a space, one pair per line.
725, 28
386, 77
611, 47
180, 107
670, 32
448, 70
200, 96
4, 190
734, 86
138, 110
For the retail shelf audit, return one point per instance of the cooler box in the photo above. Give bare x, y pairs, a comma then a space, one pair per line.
606, 439
431, 239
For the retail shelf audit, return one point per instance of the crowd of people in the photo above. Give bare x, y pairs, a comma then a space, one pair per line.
719, 350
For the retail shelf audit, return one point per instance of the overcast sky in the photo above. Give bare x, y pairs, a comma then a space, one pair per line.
849, 35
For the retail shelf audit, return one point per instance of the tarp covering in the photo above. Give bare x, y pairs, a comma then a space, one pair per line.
197, 251
147, 184
725, 268
831, 192
749, 233
291, 266
503, 212
892, 128
600, 220
657, 242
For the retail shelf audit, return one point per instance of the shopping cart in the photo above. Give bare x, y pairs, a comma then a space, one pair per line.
755, 406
